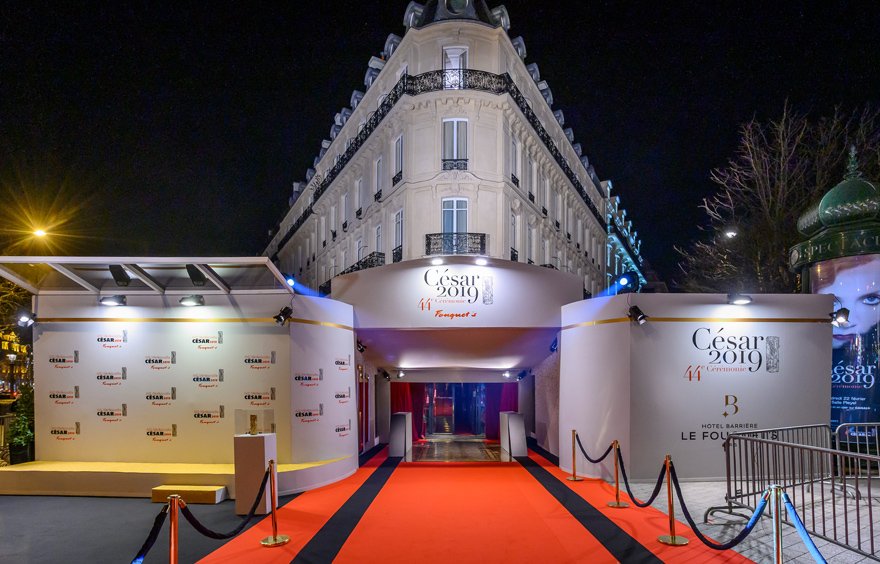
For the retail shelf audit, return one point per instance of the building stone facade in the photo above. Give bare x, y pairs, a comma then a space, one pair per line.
452, 148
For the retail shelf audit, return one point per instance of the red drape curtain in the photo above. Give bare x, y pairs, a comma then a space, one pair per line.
408, 396
499, 397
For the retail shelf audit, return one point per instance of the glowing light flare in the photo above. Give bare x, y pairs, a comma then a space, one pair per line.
40, 233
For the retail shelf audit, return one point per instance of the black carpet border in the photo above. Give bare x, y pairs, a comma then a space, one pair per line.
615, 540
367, 456
532, 443
328, 541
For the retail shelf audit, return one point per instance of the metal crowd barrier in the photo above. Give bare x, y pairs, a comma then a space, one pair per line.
836, 492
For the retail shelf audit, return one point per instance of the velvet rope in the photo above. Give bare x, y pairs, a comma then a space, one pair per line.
799, 525
727, 545
629, 491
220, 536
598, 460
151, 538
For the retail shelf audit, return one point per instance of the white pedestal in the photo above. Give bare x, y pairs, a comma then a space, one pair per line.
401, 434
513, 433
252, 456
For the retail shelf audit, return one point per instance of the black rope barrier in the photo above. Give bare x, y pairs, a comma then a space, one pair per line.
587, 456
629, 491
715, 546
220, 536
151, 538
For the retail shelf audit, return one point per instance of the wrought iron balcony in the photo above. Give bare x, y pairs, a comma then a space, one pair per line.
397, 254
514, 179
568, 236
530, 261
434, 81
549, 266
531, 197
323, 243
455, 164
359, 213
397, 178
544, 210
372, 260
557, 225
325, 288
455, 244
377, 196
333, 235
578, 246
514, 255
345, 226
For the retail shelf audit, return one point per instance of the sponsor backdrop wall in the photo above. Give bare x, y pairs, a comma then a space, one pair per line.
158, 382
696, 371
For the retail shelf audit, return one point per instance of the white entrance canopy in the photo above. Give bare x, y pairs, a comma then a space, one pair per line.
45, 275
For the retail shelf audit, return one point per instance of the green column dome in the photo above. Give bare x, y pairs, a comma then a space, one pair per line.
845, 222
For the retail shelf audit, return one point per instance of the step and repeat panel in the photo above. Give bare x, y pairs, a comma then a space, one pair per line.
162, 391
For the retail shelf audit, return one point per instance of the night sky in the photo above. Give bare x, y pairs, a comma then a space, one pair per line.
168, 129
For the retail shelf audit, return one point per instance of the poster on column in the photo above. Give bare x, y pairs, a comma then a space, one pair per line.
855, 283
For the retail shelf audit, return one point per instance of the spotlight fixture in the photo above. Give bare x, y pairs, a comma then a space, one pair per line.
730, 233
627, 283
637, 315
198, 279
482, 262
840, 317
506, 374
112, 301
191, 301
401, 373
25, 318
40, 233
437, 261
521, 375
283, 315
120, 275
386, 375
12, 357
554, 345
360, 346
289, 280
738, 299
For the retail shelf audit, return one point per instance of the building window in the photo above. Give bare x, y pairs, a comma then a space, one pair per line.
398, 228
529, 245
454, 63
344, 260
513, 231
513, 158
378, 246
333, 218
401, 72
455, 144
377, 185
398, 155
360, 250
344, 209
455, 215
546, 245
530, 177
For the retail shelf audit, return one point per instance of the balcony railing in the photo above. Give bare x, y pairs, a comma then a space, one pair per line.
455, 244
433, 81
397, 178
544, 210
549, 266
514, 180
359, 213
531, 197
372, 260
324, 288
378, 195
455, 164
397, 254
530, 261
514, 255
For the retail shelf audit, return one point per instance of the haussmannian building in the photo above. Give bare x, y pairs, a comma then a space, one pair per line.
453, 148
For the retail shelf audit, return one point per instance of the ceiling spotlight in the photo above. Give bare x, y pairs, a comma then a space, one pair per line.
401, 373
120, 275
482, 262
521, 375
112, 300
506, 374
554, 345
360, 346
25, 318
437, 261
738, 299
386, 375
288, 279
194, 300
627, 283
637, 315
198, 279
283, 315
840, 317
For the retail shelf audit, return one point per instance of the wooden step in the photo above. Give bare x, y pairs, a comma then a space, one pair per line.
190, 494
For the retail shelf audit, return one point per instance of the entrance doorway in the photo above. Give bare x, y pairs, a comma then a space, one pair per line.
456, 409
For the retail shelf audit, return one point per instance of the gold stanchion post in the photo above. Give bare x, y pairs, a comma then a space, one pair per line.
275, 539
671, 539
173, 506
617, 503
776, 500
574, 477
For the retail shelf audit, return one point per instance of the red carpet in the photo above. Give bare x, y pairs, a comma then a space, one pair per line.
464, 512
